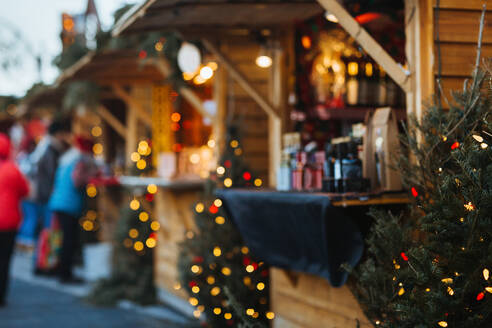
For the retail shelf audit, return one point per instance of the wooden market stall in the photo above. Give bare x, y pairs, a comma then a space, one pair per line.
229, 31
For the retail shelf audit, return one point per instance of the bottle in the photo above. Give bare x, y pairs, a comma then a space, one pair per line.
298, 171
284, 174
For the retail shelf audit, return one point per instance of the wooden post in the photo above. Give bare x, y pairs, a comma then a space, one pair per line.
220, 96
367, 42
106, 115
131, 133
141, 113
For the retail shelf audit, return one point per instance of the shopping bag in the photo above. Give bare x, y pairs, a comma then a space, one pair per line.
49, 246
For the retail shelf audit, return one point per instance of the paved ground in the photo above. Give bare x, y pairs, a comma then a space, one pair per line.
44, 303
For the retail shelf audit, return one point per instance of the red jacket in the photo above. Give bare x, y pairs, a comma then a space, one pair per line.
13, 187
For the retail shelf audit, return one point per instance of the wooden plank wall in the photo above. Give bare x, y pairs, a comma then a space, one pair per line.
458, 32
244, 110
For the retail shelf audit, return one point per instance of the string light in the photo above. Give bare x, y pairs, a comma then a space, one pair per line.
218, 202
488, 289
220, 220
447, 280
193, 301
88, 225
480, 296
151, 242
227, 182
152, 188
414, 192
401, 291
470, 207
195, 268
245, 250
234, 143
206, 72
215, 291
195, 289
210, 280
217, 251
455, 145
484, 145
135, 204
96, 131
141, 164
227, 316
133, 233
250, 268
142, 147
220, 170
250, 311
143, 216
211, 143
270, 315
217, 310
260, 286
238, 151
138, 246
247, 281
450, 291
199, 208
197, 314
486, 274
226, 271
442, 323
135, 157
306, 41
91, 190
258, 182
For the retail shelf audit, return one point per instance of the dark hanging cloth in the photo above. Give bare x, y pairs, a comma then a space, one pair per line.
296, 231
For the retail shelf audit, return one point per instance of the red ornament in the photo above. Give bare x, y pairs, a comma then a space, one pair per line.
367, 17
480, 296
246, 261
149, 197
192, 284
227, 163
415, 193
142, 54
404, 256
255, 265
247, 176
153, 235
198, 259
213, 209
455, 145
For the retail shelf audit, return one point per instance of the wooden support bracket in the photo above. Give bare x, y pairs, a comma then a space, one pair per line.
241, 79
133, 104
189, 95
106, 115
367, 42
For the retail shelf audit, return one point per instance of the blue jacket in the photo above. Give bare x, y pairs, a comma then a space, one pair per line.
66, 197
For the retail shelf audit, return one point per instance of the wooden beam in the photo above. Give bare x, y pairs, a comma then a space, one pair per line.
189, 95
241, 79
367, 42
220, 97
141, 113
106, 115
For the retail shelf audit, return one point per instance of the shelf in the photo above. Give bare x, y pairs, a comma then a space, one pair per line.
174, 184
350, 113
365, 199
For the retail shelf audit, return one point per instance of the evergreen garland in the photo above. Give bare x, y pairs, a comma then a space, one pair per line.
223, 279
431, 268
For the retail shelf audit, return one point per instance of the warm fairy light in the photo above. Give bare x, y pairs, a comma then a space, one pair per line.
96, 131
194, 158
197, 314
488, 289
134, 204
91, 190
142, 147
227, 182
234, 143
210, 280
88, 225
211, 143
195, 268
141, 164
155, 226
199, 207
133, 233
245, 250
220, 220
486, 274
226, 271
450, 291
442, 323
483, 145
369, 69
306, 42
401, 291
138, 246
427, 290
227, 316
217, 251
258, 182
213, 65
270, 315
135, 157
195, 289
250, 268
151, 242
470, 207
199, 80
247, 281
250, 312
238, 151
190, 234
217, 310
447, 280
480, 296
215, 291
377, 322
330, 17
193, 301
264, 61
143, 216
175, 117
218, 202
159, 46
151, 188
478, 138
206, 72
91, 215
260, 286
462, 219
127, 242
188, 76
220, 170
353, 68
444, 138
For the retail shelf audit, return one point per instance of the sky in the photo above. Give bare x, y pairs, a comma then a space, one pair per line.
39, 24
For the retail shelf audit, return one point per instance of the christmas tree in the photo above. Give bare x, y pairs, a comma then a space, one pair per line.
429, 267
224, 280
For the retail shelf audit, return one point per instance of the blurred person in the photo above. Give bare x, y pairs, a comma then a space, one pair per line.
13, 187
44, 162
76, 168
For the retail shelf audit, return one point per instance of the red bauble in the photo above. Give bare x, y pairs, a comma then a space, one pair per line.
415, 193
247, 176
404, 256
142, 54
149, 197
213, 209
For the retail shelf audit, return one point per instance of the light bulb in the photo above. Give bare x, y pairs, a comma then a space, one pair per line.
264, 61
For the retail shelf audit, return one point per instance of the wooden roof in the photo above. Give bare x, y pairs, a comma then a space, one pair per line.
154, 15
111, 67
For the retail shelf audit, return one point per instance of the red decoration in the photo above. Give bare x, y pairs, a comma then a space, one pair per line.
404, 256
367, 17
198, 259
213, 209
246, 261
153, 235
415, 193
142, 54
247, 176
149, 197
227, 163
480, 296
192, 284
455, 145
255, 265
